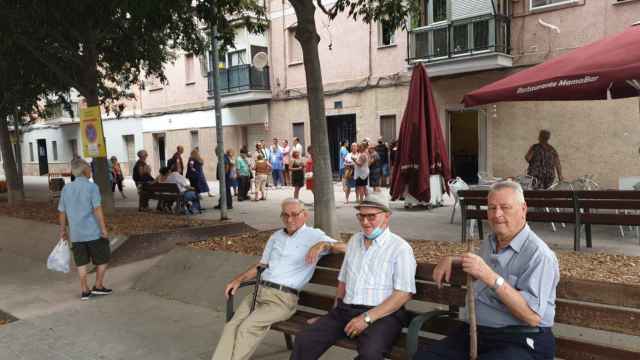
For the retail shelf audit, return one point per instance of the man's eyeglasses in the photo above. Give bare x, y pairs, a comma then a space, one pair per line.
286, 216
370, 217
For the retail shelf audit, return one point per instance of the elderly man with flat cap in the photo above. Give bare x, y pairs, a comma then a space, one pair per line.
376, 280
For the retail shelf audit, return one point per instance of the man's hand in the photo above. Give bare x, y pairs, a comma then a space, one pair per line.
356, 326
231, 288
315, 251
63, 234
442, 271
473, 265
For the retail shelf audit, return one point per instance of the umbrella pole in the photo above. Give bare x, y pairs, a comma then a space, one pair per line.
471, 310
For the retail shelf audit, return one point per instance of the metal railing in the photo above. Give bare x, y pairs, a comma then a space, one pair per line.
240, 78
459, 38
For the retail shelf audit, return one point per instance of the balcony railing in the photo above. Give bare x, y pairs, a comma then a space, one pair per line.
240, 78
468, 37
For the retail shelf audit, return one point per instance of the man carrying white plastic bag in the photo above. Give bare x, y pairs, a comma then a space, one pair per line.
60, 257
80, 204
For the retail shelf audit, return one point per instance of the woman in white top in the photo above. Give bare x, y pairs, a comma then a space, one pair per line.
361, 172
348, 180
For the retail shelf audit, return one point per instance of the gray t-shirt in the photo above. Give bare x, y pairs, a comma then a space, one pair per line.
530, 267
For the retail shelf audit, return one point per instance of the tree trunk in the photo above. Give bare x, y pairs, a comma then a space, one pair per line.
307, 35
9, 164
17, 129
101, 168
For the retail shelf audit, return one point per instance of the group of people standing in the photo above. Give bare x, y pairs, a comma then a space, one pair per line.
362, 165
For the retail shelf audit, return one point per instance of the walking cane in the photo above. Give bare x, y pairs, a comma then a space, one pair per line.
471, 299
260, 269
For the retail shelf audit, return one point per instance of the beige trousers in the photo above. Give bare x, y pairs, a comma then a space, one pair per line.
243, 333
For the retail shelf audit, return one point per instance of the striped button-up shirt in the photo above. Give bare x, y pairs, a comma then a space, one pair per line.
285, 256
371, 275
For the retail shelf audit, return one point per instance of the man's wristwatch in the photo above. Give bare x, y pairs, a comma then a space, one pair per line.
367, 318
499, 282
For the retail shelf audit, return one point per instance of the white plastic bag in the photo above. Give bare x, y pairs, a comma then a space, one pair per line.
60, 257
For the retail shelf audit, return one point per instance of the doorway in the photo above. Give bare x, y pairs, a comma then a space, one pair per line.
159, 147
130, 148
298, 132
466, 141
43, 161
340, 128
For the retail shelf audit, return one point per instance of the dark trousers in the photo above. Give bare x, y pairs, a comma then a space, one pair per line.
143, 197
373, 343
243, 187
492, 345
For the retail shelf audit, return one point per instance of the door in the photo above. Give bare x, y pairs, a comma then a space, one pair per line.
130, 145
298, 131
340, 128
388, 128
159, 147
43, 161
464, 145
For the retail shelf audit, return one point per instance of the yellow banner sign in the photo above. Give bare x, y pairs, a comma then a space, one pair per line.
92, 136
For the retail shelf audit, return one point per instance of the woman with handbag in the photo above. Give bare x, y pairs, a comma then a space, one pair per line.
297, 168
348, 181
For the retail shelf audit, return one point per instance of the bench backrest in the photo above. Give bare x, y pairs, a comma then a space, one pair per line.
573, 205
161, 191
590, 304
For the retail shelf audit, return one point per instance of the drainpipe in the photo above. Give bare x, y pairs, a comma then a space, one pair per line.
284, 49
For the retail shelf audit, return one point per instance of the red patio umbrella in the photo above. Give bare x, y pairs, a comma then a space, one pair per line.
421, 142
608, 68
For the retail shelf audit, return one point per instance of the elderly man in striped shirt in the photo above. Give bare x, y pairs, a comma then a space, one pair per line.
376, 280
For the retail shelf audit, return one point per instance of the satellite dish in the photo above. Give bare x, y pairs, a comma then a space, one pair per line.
260, 60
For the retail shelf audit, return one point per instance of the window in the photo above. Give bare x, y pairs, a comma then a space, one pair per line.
460, 38
73, 145
54, 147
54, 111
386, 35
481, 35
438, 10
295, 50
204, 65
440, 42
537, 4
189, 69
237, 57
31, 151
388, 128
195, 141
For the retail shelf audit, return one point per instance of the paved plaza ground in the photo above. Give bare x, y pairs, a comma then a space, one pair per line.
171, 306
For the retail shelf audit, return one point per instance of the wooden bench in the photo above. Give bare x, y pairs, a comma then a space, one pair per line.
163, 193
56, 183
574, 207
595, 305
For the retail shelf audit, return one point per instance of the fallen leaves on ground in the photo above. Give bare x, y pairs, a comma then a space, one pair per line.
3, 322
579, 265
126, 221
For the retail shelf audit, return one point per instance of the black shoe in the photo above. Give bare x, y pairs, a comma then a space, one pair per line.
102, 291
217, 207
85, 295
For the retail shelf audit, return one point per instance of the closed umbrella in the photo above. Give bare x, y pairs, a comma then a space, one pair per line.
421, 146
608, 68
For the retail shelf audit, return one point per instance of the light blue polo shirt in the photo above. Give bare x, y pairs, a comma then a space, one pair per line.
285, 256
530, 267
78, 200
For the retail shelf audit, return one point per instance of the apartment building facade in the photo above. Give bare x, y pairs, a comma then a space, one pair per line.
465, 44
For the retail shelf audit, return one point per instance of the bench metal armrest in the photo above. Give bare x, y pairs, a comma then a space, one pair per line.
230, 310
413, 332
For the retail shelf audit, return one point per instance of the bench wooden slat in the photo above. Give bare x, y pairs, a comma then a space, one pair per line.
569, 349
599, 292
610, 219
608, 194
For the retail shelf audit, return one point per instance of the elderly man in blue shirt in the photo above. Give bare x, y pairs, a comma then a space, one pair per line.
81, 205
291, 255
376, 280
516, 277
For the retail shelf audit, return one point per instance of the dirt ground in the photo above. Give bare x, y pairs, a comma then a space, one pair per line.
126, 221
580, 265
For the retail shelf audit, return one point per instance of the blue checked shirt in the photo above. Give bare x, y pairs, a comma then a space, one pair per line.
285, 256
530, 267
371, 275
78, 200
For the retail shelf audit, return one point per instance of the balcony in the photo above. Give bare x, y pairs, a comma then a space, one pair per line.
459, 46
242, 83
